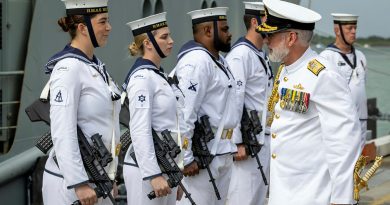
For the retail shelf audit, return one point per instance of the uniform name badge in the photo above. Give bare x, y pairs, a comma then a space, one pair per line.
293, 100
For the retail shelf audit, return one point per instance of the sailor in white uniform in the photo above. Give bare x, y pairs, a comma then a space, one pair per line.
313, 143
82, 94
254, 80
351, 63
209, 89
152, 105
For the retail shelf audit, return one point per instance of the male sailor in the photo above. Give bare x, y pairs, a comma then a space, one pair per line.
254, 79
210, 95
351, 63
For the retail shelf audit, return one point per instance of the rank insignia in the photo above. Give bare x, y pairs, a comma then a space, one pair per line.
185, 143
294, 100
315, 67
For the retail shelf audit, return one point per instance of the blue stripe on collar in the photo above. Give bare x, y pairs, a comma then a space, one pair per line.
191, 46
69, 52
139, 64
332, 47
246, 42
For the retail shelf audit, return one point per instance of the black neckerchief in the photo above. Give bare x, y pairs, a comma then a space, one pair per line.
345, 57
71, 52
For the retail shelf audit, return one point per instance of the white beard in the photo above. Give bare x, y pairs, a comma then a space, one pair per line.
279, 53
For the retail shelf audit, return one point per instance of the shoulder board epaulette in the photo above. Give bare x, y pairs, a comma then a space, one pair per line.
315, 67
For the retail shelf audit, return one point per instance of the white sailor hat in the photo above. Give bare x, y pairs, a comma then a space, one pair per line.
282, 15
210, 14
339, 18
85, 7
149, 23
254, 8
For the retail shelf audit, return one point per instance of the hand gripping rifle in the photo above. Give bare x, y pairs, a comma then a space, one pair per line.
166, 151
203, 134
250, 127
94, 157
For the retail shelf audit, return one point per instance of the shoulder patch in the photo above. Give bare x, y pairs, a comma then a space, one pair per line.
59, 96
142, 99
315, 67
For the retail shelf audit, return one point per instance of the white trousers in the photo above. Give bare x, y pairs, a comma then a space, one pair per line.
137, 189
202, 191
54, 192
247, 186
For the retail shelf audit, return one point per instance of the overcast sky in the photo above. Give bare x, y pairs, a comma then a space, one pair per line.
374, 15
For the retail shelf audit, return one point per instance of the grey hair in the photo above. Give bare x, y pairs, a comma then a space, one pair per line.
304, 36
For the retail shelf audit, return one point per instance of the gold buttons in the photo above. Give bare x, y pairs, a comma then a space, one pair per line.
273, 135
277, 116
285, 79
273, 156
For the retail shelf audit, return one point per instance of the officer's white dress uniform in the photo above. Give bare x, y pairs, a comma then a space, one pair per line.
152, 104
79, 96
209, 89
312, 147
254, 80
353, 71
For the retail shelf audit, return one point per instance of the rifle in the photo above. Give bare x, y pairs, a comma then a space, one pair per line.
166, 151
94, 157
250, 127
203, 134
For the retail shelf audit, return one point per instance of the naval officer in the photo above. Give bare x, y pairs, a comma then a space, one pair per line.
82, 94
152, 105
254, 79
313, 143
209, 89
351, 63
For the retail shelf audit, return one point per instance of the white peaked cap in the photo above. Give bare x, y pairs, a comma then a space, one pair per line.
290, 11
256, 6
209, 14
344, 18
282, 15
83, 7
149, 23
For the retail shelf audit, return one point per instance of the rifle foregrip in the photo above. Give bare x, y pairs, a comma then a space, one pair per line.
125, 140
